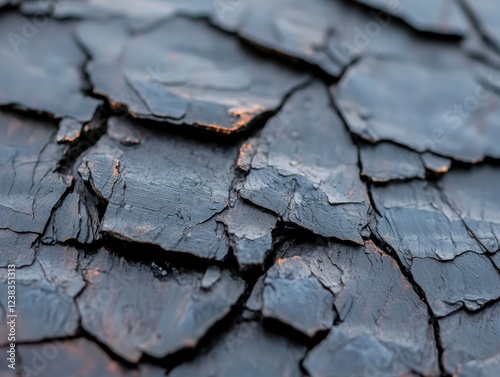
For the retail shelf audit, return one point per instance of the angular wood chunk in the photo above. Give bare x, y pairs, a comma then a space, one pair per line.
457, 117
441, 234
293, 295
133, 313
471, 342
384, 162
383, 325
250, 233
30, 188
40, 69
305, 169
45, 296
165, 191
198, 76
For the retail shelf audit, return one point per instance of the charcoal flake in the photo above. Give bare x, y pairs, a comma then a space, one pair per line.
30, 188
471, 341
31, 65
165, 191
45, 293
198, 77
305, 169
131, 311
456, 118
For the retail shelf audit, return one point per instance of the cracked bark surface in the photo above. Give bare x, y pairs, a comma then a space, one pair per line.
440, 17
255, 188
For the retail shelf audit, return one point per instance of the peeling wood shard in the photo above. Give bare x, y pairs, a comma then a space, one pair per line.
165, 191
374, 319
433, 16
43, 73
305, 169
292, 28
475, 197
30, 188
250, 233
134, 313
45, 293
16, 248
384, 162
198, 76
293, 295
79, 357
471, 342
271, 355
456, 117
440, 234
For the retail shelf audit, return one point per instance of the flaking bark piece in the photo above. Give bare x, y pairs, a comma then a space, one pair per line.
432, 16
305, 169
45, 296
198, 76
133, 313
15, 248
419, 223
436, 164
470, 281
246, 349
325, 34
69, 131
77, 357
384, 162
30, 188
166, 191
293, 295
382, 322
250, 232
474, 195
40, 69
384, 99
471, 341
436, 243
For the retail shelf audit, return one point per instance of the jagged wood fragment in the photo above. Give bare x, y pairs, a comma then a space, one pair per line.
40, 69
199, 76
134, 313
30, 188
474, 195
471, 341
432, 16
45, 296
294, 296
433, 239
165, 191
438, 106
384, 162
305, 169
381, 318
436, 164
250, 233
